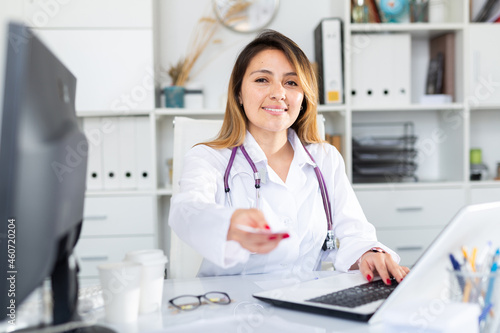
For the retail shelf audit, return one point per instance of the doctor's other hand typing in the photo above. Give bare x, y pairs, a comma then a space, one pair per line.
255, 242
377, 262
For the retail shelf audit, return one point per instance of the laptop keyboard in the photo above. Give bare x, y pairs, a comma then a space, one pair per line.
358, 295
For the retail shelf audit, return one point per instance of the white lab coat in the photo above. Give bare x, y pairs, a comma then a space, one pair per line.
200, 215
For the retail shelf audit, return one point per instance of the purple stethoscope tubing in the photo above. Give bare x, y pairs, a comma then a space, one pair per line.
256, 174
329, 242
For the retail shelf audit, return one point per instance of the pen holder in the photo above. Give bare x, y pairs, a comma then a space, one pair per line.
482, 289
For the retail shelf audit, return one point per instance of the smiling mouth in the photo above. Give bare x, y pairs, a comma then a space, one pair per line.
275, 110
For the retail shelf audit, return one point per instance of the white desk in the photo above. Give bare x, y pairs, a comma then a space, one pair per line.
244, 314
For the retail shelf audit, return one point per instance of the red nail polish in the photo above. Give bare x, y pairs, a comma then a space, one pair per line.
286, 236
272, 237
369, 277
388, 282
267, 227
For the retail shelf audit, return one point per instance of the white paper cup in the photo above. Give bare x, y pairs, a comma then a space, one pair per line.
121, 282
153, 263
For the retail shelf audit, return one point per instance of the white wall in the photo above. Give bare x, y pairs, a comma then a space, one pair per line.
296, 19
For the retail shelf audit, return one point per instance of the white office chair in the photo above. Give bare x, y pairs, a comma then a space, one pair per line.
184, 261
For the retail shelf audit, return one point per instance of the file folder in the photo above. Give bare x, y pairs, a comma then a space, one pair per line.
144, 153
329, 57
127, 162
92, 129
110, 146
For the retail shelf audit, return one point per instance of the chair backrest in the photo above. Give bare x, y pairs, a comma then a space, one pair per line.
184, 261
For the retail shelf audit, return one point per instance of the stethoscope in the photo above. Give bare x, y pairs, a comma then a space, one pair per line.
330, 242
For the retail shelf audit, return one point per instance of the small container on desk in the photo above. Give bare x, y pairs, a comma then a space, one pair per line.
483, 289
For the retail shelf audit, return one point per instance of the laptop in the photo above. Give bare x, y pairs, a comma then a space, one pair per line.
428, 280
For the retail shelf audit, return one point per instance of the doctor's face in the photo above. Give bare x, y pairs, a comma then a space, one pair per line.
270, 93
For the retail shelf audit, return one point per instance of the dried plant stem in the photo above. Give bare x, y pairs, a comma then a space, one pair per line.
204, 33
202, 36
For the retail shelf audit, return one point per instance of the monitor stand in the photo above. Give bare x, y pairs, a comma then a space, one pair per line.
64, 281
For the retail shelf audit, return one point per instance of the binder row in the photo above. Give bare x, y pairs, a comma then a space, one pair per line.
381, 69
120, 153
380, 66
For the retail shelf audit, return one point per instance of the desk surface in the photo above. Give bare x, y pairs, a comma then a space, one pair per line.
244, 314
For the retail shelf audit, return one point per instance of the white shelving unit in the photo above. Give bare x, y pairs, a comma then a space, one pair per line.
407, 215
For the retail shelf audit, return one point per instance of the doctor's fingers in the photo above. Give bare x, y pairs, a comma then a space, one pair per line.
404, 271
372, 263
260, 244
396, 271
251, 217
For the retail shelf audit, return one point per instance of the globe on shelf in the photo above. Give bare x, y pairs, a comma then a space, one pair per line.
395, 11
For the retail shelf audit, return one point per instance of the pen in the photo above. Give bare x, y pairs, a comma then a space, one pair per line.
485, 311
482, 258
466, 257
467, 289
496, 256
464, 253
491, 284
456, 268
473, 259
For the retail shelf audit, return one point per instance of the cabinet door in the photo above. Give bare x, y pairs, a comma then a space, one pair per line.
88, 14
484, 70
118, 216
92, 252
483, 195
411, 208
409, 244
114, 68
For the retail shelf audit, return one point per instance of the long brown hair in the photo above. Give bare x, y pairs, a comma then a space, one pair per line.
235, 122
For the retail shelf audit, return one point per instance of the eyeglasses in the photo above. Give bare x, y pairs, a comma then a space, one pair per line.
191, 302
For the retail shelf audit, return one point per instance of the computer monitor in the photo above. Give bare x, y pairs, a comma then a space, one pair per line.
43, 161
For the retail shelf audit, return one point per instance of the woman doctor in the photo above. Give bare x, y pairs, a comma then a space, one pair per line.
259, 173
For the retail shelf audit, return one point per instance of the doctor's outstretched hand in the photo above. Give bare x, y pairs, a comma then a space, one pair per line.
381, 263
262, 241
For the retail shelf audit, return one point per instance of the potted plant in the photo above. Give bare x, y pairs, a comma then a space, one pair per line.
179, 73
202, 36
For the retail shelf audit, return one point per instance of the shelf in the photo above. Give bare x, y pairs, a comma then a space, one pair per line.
485, 184
485, 107
220, 112
409, 186
117, 113
114, 193
411, 107
188, 112
331, 108
416, 29
164, 191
